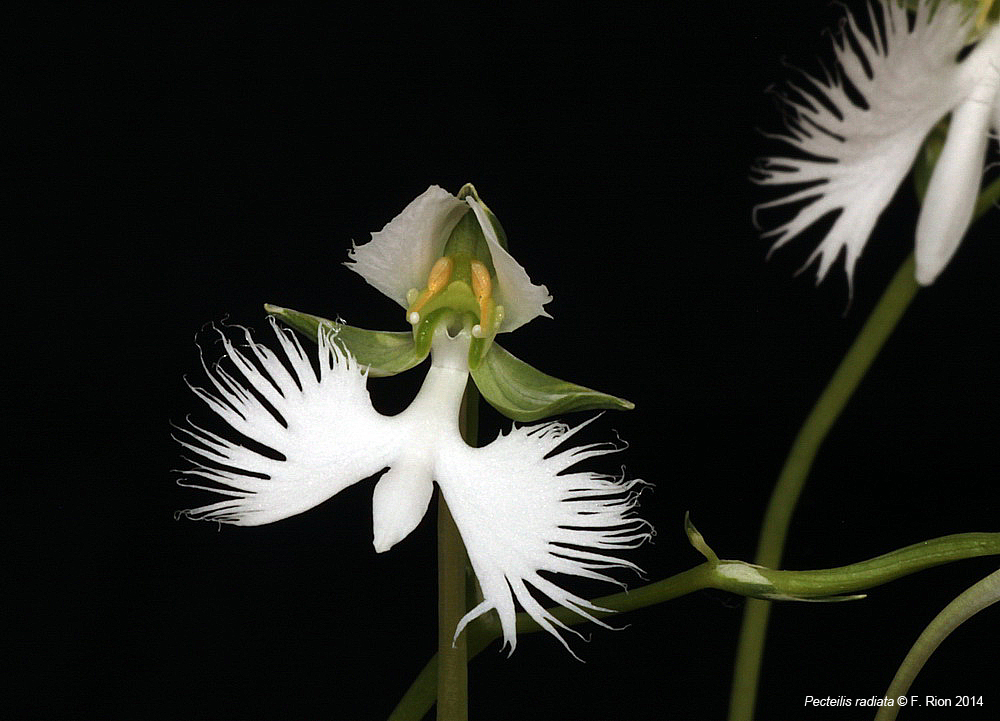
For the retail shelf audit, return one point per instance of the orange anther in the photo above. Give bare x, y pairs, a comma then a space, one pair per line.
440, 273
437, 279
482, 286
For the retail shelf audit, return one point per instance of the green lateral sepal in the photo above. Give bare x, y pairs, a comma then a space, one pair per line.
526, 394
386, 353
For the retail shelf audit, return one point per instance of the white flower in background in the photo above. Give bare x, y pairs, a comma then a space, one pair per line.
863, 153
518, 509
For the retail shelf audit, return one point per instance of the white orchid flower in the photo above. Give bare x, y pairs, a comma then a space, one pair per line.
518, 509
909, 77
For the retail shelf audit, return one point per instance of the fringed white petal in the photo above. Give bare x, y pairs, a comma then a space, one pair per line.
520, 514
522, 300
400, 256
954, 185
326, 430
862, 153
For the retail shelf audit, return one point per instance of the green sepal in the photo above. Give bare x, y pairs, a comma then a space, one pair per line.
386, 353
526, 394
470, 189
478, 349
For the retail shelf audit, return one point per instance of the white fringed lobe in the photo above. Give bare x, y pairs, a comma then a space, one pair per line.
331, 437
863, 154
519, 511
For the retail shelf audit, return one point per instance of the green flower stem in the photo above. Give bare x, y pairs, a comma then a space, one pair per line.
969, 603
734, 576
452, 680
451, 666
421, 694
785, 496
825, 583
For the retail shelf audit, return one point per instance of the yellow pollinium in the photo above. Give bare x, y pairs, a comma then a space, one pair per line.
437, 280
448, 285
482, 288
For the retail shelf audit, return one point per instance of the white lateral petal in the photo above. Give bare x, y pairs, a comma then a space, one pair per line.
954, 185
331, 436
519, 513
864, 153
521, 299
400, 256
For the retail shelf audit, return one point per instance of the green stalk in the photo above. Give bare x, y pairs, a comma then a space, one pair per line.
452, 682
732, 576
969, 603
451, 665
785, 496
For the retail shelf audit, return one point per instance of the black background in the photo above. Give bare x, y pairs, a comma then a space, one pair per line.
195, 164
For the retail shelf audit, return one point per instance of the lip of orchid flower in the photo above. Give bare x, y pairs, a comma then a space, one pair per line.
402, 256
519, 508
859, 155
954, 184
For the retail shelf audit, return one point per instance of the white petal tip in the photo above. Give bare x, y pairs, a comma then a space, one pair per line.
926, 276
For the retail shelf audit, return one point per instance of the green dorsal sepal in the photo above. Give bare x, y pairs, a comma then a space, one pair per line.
526, 394
386, 353
470, 189
465, 244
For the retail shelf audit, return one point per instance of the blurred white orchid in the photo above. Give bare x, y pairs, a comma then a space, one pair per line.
909, 77
518, 510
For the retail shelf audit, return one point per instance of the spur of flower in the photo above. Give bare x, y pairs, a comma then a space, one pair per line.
519, 507
908, 75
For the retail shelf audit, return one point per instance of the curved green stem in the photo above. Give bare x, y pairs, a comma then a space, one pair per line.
801, 585
451, 666
734, 576
852, 368
452, 680
785, 496
969, 603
